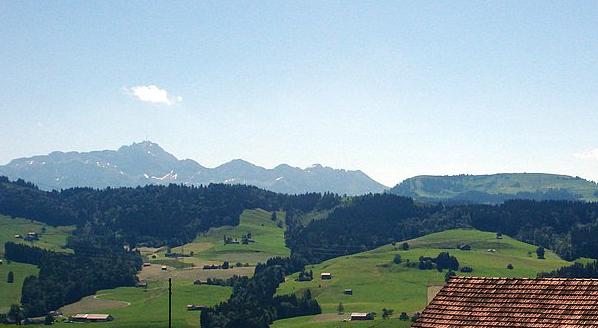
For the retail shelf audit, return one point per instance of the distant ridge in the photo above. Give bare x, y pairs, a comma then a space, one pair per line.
496, 188
147, 163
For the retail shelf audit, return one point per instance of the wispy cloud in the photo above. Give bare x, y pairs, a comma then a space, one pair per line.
153, 94
591, 154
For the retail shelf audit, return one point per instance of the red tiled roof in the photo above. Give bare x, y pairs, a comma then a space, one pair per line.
513, 302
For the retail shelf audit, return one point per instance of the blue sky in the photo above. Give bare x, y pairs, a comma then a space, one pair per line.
395, 89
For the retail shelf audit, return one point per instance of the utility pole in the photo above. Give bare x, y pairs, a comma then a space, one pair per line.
169, 302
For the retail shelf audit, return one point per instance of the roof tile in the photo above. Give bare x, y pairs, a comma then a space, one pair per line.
471, 302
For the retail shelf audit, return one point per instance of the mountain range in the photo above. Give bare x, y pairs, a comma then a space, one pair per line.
147, 163
496, 188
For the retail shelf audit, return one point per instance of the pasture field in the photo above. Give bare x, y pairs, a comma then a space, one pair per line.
11, 293
379, 283
54, 238
140, 307
209, 247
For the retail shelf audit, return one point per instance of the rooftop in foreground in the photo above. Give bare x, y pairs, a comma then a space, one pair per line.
513, 302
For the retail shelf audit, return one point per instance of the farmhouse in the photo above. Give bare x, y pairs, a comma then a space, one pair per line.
464, 247
91, 317
31, 236
325, 275
513, 302
163, 268
361, 316
348, 291
195, 307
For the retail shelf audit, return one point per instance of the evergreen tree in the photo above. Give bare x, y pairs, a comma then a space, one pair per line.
10, 278
15, 314
397, 259
540, 252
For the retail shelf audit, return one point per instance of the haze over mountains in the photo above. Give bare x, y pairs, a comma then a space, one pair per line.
147, 163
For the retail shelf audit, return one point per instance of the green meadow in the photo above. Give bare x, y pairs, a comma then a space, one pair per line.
269, 242
379, 283
54, 238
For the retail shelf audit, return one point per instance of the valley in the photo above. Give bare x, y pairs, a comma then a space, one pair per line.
381, 250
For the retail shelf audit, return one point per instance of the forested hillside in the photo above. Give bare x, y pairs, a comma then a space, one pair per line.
567, 227
150, 215
496, 188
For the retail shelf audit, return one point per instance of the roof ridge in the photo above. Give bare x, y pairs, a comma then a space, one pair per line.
521, 278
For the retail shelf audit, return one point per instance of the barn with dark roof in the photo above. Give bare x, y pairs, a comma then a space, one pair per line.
513, 302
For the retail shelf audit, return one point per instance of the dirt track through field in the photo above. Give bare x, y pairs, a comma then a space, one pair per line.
92, 304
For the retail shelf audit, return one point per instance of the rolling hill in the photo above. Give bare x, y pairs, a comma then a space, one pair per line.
496, 188
208, 248
379, 283
147, 163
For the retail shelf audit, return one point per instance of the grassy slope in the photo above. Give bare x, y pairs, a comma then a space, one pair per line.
506, 183
150, 308
378, 283
11, 293
54, 238
269, 241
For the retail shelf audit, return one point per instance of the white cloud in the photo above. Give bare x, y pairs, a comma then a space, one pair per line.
591, 154
153, 94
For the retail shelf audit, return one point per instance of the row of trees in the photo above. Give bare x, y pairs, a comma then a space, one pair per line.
441, 262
